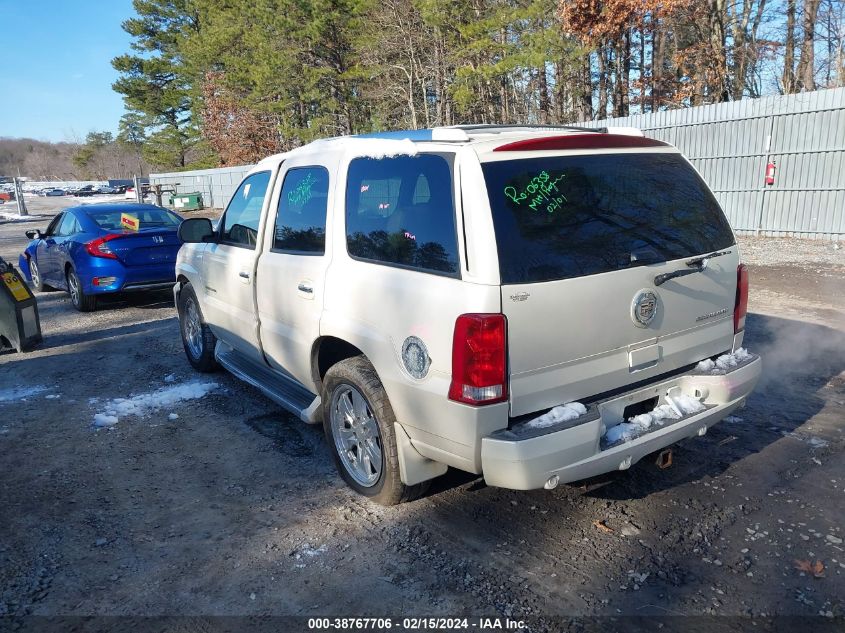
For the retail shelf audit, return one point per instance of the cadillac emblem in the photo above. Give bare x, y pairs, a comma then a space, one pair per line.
644, 308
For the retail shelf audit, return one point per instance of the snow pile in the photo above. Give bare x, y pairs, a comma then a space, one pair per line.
561, 413
146, 403
374, 147
101, 420
12, 217
20, 393
725, 362
676, 407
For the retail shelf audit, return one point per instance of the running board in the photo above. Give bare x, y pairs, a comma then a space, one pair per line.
281, 389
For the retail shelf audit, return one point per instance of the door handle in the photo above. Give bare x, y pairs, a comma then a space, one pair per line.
243, 275
304, 287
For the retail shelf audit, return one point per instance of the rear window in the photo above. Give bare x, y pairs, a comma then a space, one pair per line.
400, 212
110, 219
559, 217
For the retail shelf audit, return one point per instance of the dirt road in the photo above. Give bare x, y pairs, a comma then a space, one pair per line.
225, 505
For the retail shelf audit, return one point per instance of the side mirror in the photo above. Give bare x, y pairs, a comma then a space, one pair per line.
196, 231
34, 234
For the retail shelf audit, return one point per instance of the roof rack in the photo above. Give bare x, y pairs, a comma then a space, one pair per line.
461, 133
494, 128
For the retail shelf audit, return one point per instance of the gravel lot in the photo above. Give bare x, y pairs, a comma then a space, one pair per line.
234, 508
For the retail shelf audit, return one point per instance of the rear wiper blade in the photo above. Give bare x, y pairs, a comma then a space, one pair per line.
696, 265
700, 261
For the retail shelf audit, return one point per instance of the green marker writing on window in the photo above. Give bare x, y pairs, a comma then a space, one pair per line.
538, 193
302, 193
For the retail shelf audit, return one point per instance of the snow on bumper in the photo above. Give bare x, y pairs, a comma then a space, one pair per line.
524, 461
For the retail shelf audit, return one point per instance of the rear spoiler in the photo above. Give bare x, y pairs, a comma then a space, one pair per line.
618, 138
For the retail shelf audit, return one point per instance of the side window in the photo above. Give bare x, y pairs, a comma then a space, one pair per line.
240, 222
68, 226
301, 216
54, 225
400, 211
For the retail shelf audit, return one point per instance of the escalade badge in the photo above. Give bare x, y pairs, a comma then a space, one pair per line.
644, 308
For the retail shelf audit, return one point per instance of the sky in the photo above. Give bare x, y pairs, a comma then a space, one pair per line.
55, 57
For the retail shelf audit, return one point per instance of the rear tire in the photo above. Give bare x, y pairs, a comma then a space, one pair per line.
197, 338
358, 422
80, 300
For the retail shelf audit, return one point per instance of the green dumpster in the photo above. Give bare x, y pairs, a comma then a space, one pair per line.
186, 201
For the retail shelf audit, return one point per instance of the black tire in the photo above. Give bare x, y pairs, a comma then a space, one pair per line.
35, 275
199, 348
357, 372
80, 300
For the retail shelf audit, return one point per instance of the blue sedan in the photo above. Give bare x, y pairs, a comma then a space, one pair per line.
103, 248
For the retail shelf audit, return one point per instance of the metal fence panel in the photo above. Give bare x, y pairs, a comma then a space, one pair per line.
731, 143
215, 185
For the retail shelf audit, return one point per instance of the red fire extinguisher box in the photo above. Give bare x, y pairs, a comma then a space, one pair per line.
770, 173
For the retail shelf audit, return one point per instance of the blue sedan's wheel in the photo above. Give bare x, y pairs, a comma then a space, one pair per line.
35, 274
80, 300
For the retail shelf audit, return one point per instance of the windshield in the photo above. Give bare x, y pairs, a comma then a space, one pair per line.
152, 217
558, 217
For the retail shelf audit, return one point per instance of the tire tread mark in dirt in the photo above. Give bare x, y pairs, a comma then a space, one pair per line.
285, 433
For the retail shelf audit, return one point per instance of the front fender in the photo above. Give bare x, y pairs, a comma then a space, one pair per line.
23, 266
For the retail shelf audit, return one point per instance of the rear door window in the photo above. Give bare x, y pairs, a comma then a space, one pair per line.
558, 217
301, 216
69, 226
400, 211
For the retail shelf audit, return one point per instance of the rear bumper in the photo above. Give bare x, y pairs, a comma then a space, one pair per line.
126, 278
527, 460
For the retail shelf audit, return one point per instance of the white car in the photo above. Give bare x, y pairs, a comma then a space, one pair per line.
533, 305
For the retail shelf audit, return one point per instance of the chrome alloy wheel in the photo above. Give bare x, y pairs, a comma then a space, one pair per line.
73, 288
192, 328
356, 435
33, 272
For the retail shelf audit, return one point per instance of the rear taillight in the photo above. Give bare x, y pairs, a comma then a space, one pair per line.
479, 359
100, 247
741, 305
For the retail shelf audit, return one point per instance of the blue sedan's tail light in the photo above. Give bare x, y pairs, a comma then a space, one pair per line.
100, 247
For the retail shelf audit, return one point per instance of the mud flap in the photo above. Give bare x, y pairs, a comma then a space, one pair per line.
413, 467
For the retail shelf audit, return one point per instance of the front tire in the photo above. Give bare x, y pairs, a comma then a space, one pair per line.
35, 275
358, 422
197, 338
80, 300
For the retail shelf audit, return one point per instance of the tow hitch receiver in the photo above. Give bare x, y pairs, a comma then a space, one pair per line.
664, 459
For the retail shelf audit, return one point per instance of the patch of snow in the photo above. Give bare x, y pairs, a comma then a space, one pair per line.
102, 420
15, 217
374, 147
733, 419
20, 393
725, 362
53, 396
310, 552
685, 405
170, 378
173, 416
676, 407
812, 440
145, 403
561, 413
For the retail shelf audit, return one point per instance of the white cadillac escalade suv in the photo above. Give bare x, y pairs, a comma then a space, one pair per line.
534, 305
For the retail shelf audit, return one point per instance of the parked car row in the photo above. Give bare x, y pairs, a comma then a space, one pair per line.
81, 192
